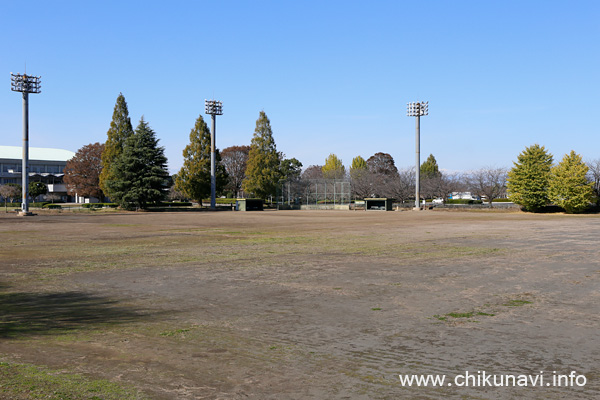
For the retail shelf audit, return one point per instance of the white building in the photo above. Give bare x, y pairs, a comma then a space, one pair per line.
463, 196
45, 165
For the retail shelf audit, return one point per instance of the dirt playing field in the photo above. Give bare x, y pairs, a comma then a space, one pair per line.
301, 304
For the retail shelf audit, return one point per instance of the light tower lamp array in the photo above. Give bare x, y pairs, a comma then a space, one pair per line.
213, 108
417, 109
25, 84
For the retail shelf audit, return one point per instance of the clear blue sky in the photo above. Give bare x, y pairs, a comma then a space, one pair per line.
333, 77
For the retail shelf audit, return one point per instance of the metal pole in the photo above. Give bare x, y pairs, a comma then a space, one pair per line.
213, 180
25, 166
418, 162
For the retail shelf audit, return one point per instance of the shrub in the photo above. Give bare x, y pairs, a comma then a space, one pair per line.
176, 204
53, 206
95, 205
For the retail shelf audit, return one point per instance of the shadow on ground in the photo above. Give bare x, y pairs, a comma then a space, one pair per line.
24, 314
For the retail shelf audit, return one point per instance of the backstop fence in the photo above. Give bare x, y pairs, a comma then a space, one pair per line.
320, 193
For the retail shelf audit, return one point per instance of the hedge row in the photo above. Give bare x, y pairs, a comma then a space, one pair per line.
18, 205
175, 204
115, 205
99, 205
463, 201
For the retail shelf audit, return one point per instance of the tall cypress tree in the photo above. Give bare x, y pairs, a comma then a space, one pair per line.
430, 169
263, 168
120, 129
139, 174
194, 177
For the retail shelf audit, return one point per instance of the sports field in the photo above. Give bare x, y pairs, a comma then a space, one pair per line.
298, 304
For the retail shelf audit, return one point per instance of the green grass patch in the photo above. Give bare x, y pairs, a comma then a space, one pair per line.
175, 332
517, 303
376, 309
466, 315
461, 315
20, 381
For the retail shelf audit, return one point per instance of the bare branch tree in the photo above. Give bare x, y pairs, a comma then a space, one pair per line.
488, 182
362, 182
594, 177
403, 186
234, 158
9, 192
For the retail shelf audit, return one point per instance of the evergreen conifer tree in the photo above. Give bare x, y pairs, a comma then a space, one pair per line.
528, 179
291, 169
140, 172
568, 186
194, 177
120, 129
430, 169
263, 168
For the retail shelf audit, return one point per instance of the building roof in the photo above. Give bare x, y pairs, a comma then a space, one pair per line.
36, 153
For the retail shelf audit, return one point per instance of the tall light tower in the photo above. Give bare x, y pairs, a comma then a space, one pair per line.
214, 108
25, 84
416, 110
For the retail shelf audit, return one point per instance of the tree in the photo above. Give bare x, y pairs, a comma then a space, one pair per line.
313, 172
193, 178
140, 173
120, 129
291, 169
382, 173
311, 175
402, 187
360, 178
430, 169
10, 191
235, 158
382, 163
37, 189
568, 186
594, 177
82, 173
263, 171
333, 168
528, 180
358, 164
488, 182
53, 196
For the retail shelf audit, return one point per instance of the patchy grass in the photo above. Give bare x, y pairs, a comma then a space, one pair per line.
517, 303
20, 382
176, 332
460, 315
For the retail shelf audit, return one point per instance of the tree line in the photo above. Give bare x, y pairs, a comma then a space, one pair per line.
130, 168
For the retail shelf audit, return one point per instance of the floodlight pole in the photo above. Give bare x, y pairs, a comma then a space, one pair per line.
25, 84
213, 108
416, 110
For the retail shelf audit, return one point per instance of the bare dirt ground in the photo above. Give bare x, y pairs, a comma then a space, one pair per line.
304, 304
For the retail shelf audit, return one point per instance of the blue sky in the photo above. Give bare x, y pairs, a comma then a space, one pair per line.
333, 77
